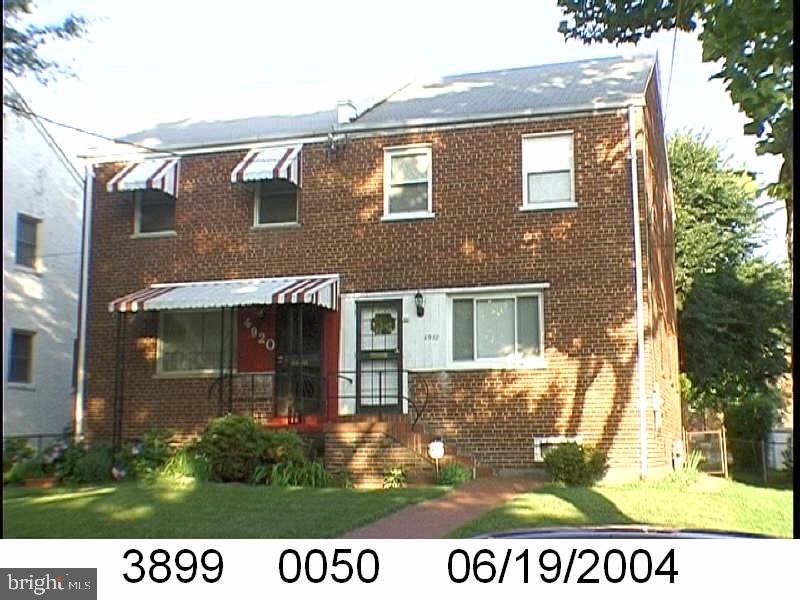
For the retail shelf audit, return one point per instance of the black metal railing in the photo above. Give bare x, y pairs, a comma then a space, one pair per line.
297, 392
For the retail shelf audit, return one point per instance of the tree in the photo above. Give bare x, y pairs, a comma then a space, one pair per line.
734, 309
754, 39
22, 43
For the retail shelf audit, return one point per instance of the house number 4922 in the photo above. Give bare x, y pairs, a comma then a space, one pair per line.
431, 337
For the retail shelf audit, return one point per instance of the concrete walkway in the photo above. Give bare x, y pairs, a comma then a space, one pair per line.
439, 516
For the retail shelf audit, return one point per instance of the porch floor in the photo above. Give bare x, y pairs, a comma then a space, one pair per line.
437, 517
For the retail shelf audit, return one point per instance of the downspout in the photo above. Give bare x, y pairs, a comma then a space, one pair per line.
637, 261
83, 301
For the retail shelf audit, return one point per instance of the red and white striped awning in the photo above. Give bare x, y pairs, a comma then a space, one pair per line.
279, 162
151, 173
322, 290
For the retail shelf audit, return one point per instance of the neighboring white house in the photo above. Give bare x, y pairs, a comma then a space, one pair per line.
42, 216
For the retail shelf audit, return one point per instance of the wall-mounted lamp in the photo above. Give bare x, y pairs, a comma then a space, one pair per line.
419, 302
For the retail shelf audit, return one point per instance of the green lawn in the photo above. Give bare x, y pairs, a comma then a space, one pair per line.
207, 510
711, 503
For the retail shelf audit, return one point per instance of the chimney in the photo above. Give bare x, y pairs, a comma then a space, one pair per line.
345, 112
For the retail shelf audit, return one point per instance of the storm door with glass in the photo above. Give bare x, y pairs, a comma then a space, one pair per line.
379, 356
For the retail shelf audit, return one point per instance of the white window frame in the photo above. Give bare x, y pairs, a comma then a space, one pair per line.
552, 440
137, 220
514, 361
390, 152
526, 204
160, 372
257, 205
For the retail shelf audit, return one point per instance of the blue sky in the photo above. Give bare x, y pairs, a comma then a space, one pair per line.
151, 61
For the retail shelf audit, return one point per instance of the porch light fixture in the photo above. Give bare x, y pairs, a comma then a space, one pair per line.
436, 451
419, 302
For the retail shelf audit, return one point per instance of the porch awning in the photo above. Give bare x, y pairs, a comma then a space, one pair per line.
322, 290
279, 162
151, 173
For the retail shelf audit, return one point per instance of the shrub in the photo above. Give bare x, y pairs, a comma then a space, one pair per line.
454, 474
283, 445
234, 446
94, 466
25, 469
16, 450
574, 464
689, 471
148, 456
747, 422
394, 478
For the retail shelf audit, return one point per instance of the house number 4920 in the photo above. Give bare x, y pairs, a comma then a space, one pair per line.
255, 332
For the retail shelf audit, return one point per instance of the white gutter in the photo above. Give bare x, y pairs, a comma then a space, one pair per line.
637, 261
80, 393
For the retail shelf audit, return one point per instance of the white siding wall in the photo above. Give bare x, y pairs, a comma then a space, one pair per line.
38, 184
424, 338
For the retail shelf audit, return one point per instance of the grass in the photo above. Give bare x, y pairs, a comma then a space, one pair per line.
201, 510
710, 503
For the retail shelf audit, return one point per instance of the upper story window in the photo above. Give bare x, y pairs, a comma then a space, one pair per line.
20, 366
497, 329
276, 203
155, 212
27, 233
191, 341
548, 171
407, 182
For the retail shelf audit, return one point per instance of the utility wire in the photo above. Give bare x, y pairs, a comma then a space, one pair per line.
19, 109
672, 59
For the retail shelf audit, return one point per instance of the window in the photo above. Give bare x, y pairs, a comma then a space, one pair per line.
543, 445
407, 182
20, 367
155, 212
189, 341
548, 171
497, 328
276, 203
26, 240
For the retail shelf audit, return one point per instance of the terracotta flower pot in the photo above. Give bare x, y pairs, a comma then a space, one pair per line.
46, 481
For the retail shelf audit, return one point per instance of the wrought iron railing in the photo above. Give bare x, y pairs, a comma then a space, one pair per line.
298, 392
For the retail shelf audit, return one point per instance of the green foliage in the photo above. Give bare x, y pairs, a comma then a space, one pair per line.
689, 471
94, 466
454, 474
310, 474
734, 309
394, 478
22, 42
147, 457
788, 460
236, 446
25, 469
16, 450
574, 464
752, 417
186, 463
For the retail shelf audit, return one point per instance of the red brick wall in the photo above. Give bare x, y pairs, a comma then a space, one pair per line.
479, 236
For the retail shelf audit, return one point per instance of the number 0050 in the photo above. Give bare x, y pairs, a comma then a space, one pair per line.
314, 567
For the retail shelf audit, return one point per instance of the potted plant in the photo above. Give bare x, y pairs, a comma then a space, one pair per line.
42, 471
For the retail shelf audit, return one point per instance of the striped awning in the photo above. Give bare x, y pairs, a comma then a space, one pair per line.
322, 290
280, 162
151, 173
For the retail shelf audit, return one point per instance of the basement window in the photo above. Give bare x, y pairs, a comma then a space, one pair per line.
543, 445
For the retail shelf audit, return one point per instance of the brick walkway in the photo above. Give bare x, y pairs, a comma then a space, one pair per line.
439, 516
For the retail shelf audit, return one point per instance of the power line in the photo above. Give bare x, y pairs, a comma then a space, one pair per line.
19, 109
672, 59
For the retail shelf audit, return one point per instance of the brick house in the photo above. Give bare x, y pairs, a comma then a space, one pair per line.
481, 259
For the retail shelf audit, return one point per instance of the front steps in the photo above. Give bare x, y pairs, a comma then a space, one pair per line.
368, 446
